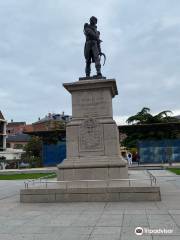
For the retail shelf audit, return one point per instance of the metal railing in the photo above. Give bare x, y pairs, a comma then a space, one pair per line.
38, 180
152, 180
152, 177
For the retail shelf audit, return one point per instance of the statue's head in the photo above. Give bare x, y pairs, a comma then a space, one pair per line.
93, 20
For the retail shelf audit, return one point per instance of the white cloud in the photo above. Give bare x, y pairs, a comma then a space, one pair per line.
41, 46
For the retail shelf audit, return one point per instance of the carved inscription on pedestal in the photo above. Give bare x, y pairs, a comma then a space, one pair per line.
91, 136
93, 104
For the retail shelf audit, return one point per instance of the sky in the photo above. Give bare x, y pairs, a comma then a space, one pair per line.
41, 47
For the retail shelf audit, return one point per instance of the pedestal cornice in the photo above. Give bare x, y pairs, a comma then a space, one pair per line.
92, 84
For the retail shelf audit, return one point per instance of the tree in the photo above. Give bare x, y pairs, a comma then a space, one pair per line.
33, 151
151, 131
144, 117
54, 135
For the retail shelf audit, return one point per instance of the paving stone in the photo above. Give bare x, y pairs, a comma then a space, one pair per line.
28, 237
74, 221
176, 218
166, 237
157, 211
128, 233
159, 221
174, 211
86, 220
100, 233
135, 211
110, 220
135, 220
6, 228
76, 233
27, 229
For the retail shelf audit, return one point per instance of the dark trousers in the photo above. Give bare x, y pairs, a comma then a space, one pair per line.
92, 52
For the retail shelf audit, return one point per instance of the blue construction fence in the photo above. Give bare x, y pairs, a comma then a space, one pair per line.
159, 151
53, 154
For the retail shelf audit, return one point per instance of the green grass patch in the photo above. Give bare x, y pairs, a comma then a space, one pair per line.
20, 176
175, 170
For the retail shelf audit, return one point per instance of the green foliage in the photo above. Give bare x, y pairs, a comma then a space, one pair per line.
2, 159
18, 146
51, 138
33, 151
175, 170
54, 135
26, 176
144, 117
131, 141
140, 117
33, 147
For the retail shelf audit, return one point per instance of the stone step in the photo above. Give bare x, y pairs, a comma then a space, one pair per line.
92, 194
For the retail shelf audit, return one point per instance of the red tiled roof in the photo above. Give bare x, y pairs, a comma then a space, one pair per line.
28, 128
11, 124
41, 127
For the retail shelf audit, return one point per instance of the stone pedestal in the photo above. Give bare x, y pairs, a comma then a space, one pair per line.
93, 151
94, 170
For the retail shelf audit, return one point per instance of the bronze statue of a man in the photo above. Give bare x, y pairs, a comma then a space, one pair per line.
92, 48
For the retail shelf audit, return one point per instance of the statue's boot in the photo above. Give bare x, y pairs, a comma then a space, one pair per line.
98, 69
99, 74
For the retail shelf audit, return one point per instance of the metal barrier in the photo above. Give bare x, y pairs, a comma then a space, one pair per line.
38, 180
152, 177
129, 180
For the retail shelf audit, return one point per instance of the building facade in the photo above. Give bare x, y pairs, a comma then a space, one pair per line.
51, 127
2, 133
155, 143
7, 154
14, 128
159, 151
17, 141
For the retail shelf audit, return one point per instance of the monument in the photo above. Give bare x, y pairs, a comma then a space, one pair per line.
94, 169
93, 150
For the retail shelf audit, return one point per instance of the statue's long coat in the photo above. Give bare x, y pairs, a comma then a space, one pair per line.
92, 44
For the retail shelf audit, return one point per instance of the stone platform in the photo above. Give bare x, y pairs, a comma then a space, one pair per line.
94, 170
110, 193
90, 195
136, 188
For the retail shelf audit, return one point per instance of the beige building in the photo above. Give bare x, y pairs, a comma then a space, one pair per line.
7, 155
2, 132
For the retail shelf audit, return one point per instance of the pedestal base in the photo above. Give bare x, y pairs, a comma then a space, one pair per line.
90, 194
94, 168
83, 172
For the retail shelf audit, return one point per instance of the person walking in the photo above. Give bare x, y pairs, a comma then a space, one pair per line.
129, 158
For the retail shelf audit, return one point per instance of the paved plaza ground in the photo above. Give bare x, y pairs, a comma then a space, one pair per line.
87, 221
